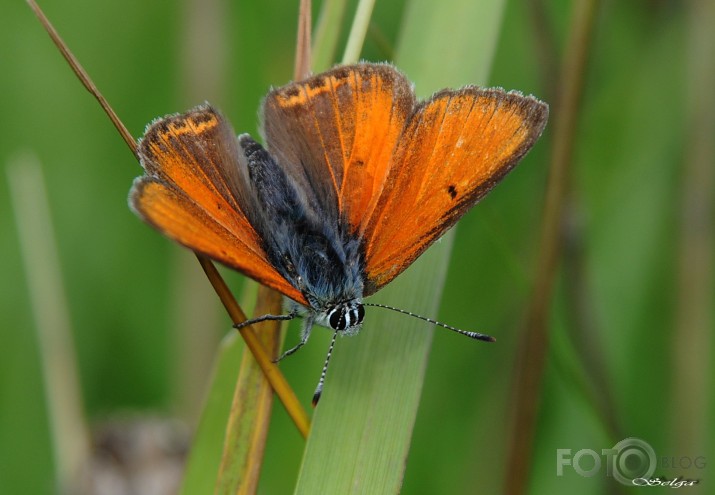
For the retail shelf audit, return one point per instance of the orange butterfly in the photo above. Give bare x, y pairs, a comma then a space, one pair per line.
356, 180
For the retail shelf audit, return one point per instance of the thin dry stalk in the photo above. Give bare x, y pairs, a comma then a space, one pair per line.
278, 381
692, 342
533, 348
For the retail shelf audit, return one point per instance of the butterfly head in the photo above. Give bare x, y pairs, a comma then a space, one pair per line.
346, 317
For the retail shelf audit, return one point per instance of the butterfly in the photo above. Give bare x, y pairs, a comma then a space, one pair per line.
356, 179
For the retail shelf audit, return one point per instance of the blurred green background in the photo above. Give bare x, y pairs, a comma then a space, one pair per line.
146, 324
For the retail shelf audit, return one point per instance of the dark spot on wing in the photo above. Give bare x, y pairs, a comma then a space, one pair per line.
202, 118
162, 127
317, 82
452, 191
341, 73
291, 91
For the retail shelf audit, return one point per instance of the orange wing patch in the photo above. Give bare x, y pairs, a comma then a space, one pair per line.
188, 194
336, 131
359, 149
456, 147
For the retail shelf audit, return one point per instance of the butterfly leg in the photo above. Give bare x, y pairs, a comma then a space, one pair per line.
303, 339
259, 319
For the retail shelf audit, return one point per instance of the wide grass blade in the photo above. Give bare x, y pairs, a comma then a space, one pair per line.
449, 43
362, 428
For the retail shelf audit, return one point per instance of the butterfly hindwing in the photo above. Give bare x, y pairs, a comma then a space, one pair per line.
191, 193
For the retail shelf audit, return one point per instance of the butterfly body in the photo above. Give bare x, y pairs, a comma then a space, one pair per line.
356, 180
321, 259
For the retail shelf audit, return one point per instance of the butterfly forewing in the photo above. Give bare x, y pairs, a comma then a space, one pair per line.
189, 193
454, 149
335, 133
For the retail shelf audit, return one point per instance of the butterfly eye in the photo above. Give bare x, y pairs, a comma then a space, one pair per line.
336, 318
360, 314
347, 315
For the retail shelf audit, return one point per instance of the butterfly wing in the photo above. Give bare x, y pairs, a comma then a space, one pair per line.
334, 134
190, 193
454, 149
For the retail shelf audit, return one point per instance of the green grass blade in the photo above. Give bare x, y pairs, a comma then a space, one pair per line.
327, 34
449, 43
205, 456
362, 428
70, 432
358, 31
250, 415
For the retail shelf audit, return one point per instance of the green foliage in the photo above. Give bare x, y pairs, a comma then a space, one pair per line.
120, 278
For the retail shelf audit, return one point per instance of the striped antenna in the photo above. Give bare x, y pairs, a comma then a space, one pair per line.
471, 335
319, 388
